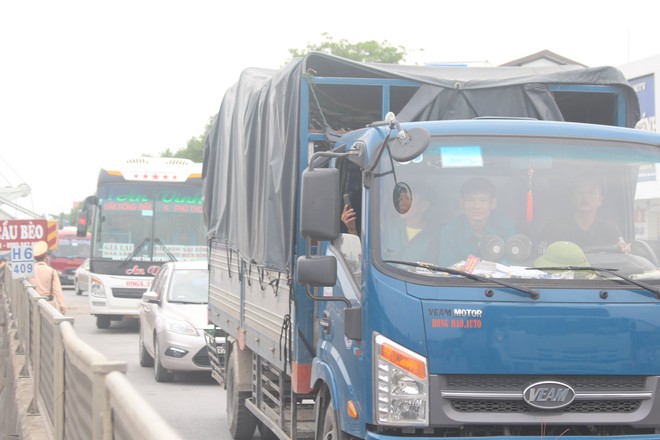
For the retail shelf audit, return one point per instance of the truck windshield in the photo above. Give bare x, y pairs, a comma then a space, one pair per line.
514, 207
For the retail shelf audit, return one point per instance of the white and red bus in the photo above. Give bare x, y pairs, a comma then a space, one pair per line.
146, 211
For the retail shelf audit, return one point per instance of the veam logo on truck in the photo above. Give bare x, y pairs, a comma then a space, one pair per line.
549, 395
456, 318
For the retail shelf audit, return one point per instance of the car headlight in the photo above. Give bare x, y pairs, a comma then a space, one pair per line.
182, 327
96, 288
402, 385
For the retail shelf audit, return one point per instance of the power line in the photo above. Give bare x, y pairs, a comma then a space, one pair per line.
12, 169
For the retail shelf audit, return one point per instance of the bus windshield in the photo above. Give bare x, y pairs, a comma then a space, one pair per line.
71, 247
149, 222
513, 207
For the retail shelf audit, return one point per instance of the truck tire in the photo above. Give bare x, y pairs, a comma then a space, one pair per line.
102, 321
265, 432
328, 425
241, 421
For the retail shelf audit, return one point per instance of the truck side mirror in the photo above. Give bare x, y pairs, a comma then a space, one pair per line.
317, 271
353, 323
81, 224
319, 211
409, 144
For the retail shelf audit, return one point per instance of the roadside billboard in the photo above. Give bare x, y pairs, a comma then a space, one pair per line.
645, 88
15, 233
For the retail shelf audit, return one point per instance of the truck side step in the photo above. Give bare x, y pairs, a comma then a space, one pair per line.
272, 397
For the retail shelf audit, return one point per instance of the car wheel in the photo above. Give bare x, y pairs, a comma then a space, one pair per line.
102, 321
145, 358
240, 420
76, 287
160, 373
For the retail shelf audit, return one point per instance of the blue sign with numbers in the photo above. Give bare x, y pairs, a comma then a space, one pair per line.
22, 262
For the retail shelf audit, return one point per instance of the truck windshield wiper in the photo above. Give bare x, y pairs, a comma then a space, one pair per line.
654, 290
532, 293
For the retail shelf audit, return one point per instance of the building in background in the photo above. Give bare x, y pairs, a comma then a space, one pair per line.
641, 75
542, 59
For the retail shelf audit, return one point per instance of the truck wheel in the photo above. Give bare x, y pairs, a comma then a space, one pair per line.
327, 427
160, 373
241, 421
102, 321
266, 433
145, 358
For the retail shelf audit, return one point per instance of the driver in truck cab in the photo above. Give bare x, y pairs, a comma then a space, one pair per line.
584, 226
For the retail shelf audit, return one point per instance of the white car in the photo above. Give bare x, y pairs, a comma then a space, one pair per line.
173, 318
81, 278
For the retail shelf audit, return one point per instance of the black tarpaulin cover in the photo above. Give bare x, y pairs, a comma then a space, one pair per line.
251, 157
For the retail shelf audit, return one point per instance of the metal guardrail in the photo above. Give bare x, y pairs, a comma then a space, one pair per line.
77, 391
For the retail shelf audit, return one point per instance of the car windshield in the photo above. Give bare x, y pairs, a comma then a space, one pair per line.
514, 207
189, 286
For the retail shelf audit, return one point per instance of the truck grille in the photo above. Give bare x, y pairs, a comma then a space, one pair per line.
581, 383
507, 406
503, 394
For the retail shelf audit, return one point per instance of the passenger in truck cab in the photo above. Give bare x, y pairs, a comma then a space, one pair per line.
584, 226
348, 218
465, 235
410, 236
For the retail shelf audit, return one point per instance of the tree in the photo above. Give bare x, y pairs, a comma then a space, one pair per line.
194, 150
366, 51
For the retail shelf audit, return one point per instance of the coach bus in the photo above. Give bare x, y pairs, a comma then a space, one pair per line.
146, 211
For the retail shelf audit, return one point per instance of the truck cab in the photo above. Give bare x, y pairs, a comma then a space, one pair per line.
529, 326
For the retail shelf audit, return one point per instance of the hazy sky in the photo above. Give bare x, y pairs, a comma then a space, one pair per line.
87, 82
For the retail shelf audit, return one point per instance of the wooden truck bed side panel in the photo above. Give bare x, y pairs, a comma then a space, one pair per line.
250, 304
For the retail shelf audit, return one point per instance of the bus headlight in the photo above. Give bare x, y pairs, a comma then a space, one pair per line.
96, 288
401, 385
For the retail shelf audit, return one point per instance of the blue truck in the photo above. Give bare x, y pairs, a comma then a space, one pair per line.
539, 319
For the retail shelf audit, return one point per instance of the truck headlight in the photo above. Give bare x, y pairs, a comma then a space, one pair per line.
402, 385
96, 288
